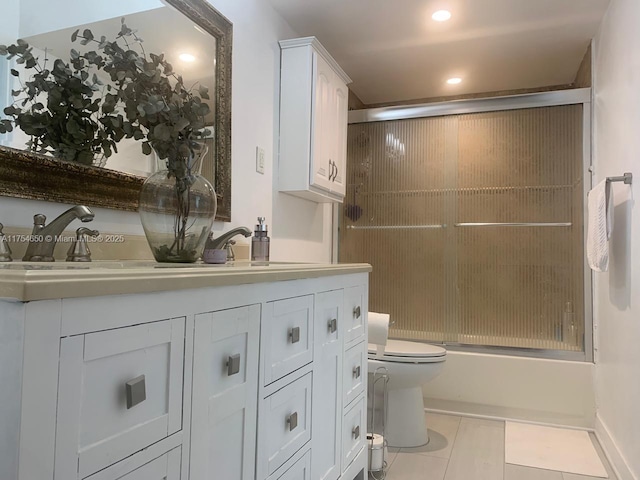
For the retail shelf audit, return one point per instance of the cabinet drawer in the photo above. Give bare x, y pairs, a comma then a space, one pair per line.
354, 372
288, 336
119, 391
353, 432
165, 467
300, 470
285, 423
355, 313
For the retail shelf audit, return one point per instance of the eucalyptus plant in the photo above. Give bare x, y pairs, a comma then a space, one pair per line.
159, 108
60, 108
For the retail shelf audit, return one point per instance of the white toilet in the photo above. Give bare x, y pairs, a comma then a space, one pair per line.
409, 365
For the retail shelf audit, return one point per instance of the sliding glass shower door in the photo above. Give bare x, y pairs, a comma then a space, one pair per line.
473, 224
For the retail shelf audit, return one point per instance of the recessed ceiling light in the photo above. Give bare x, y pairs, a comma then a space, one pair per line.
441, 15
454, 81
186, 57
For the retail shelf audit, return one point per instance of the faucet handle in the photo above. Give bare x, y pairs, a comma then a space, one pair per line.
231, 256
79, 249
5, 250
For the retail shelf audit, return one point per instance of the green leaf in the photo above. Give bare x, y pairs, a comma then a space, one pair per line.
14, 72
204, 92
146, 148
74, 35
3, 50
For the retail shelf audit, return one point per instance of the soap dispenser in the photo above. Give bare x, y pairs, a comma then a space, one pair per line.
260, 242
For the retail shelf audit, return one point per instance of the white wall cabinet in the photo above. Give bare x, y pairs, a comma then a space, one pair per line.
237, 382
313, 122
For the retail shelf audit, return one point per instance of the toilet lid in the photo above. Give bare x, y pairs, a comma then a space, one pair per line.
406, 349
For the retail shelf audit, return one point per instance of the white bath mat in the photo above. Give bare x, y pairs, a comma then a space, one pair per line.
550, 448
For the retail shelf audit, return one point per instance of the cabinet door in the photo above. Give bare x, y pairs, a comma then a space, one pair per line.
323, 129
165, 467
225, 393
355, 313
119, 391
287, 336
327, 386
354, 427
300, 470
285, 424
340, 124
354, 373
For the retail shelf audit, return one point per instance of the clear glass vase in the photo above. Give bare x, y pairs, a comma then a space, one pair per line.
177, 212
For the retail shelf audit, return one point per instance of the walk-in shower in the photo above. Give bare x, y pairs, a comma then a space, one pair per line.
472, 215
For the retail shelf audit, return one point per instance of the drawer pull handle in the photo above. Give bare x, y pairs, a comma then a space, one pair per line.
356, 312
292, 421
356, 371
333, 325
294, 334
136, 391
233, 364
356, 432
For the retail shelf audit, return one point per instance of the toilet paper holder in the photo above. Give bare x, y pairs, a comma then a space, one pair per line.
377, 442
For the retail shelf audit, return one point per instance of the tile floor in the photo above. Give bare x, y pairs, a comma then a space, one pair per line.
468, 449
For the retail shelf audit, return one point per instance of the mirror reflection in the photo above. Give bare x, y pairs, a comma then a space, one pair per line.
156, 29
191, 28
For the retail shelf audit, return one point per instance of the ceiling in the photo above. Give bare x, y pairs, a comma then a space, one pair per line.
393, 51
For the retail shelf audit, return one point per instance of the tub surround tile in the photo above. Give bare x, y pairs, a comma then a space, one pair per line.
478, 451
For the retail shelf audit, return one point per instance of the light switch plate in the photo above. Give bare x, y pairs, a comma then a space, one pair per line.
260, 160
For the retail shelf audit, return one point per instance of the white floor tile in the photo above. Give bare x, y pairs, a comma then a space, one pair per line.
442, 434
412, 466
517, 472
478, 451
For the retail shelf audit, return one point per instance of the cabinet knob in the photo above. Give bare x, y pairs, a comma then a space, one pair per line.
356, 312
333, 325
294, 334
356, 371
136, 391
356, 432
233, 364
292, 421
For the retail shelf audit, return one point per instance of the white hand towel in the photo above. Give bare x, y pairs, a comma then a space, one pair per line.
600, 226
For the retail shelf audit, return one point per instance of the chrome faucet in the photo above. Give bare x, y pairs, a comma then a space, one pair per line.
44, 237
219, 242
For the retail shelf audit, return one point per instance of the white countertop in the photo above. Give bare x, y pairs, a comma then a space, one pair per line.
28, 281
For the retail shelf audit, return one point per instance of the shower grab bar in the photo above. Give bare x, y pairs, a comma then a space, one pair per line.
395, 227
533, 224
627, 178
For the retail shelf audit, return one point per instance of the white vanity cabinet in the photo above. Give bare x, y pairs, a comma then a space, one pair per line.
236, 382
313, 122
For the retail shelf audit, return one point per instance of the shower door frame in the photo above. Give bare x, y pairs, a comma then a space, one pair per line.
582, 96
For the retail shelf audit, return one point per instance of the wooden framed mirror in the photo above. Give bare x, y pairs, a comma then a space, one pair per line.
25, 174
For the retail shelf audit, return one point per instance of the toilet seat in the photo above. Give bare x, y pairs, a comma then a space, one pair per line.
402, 351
